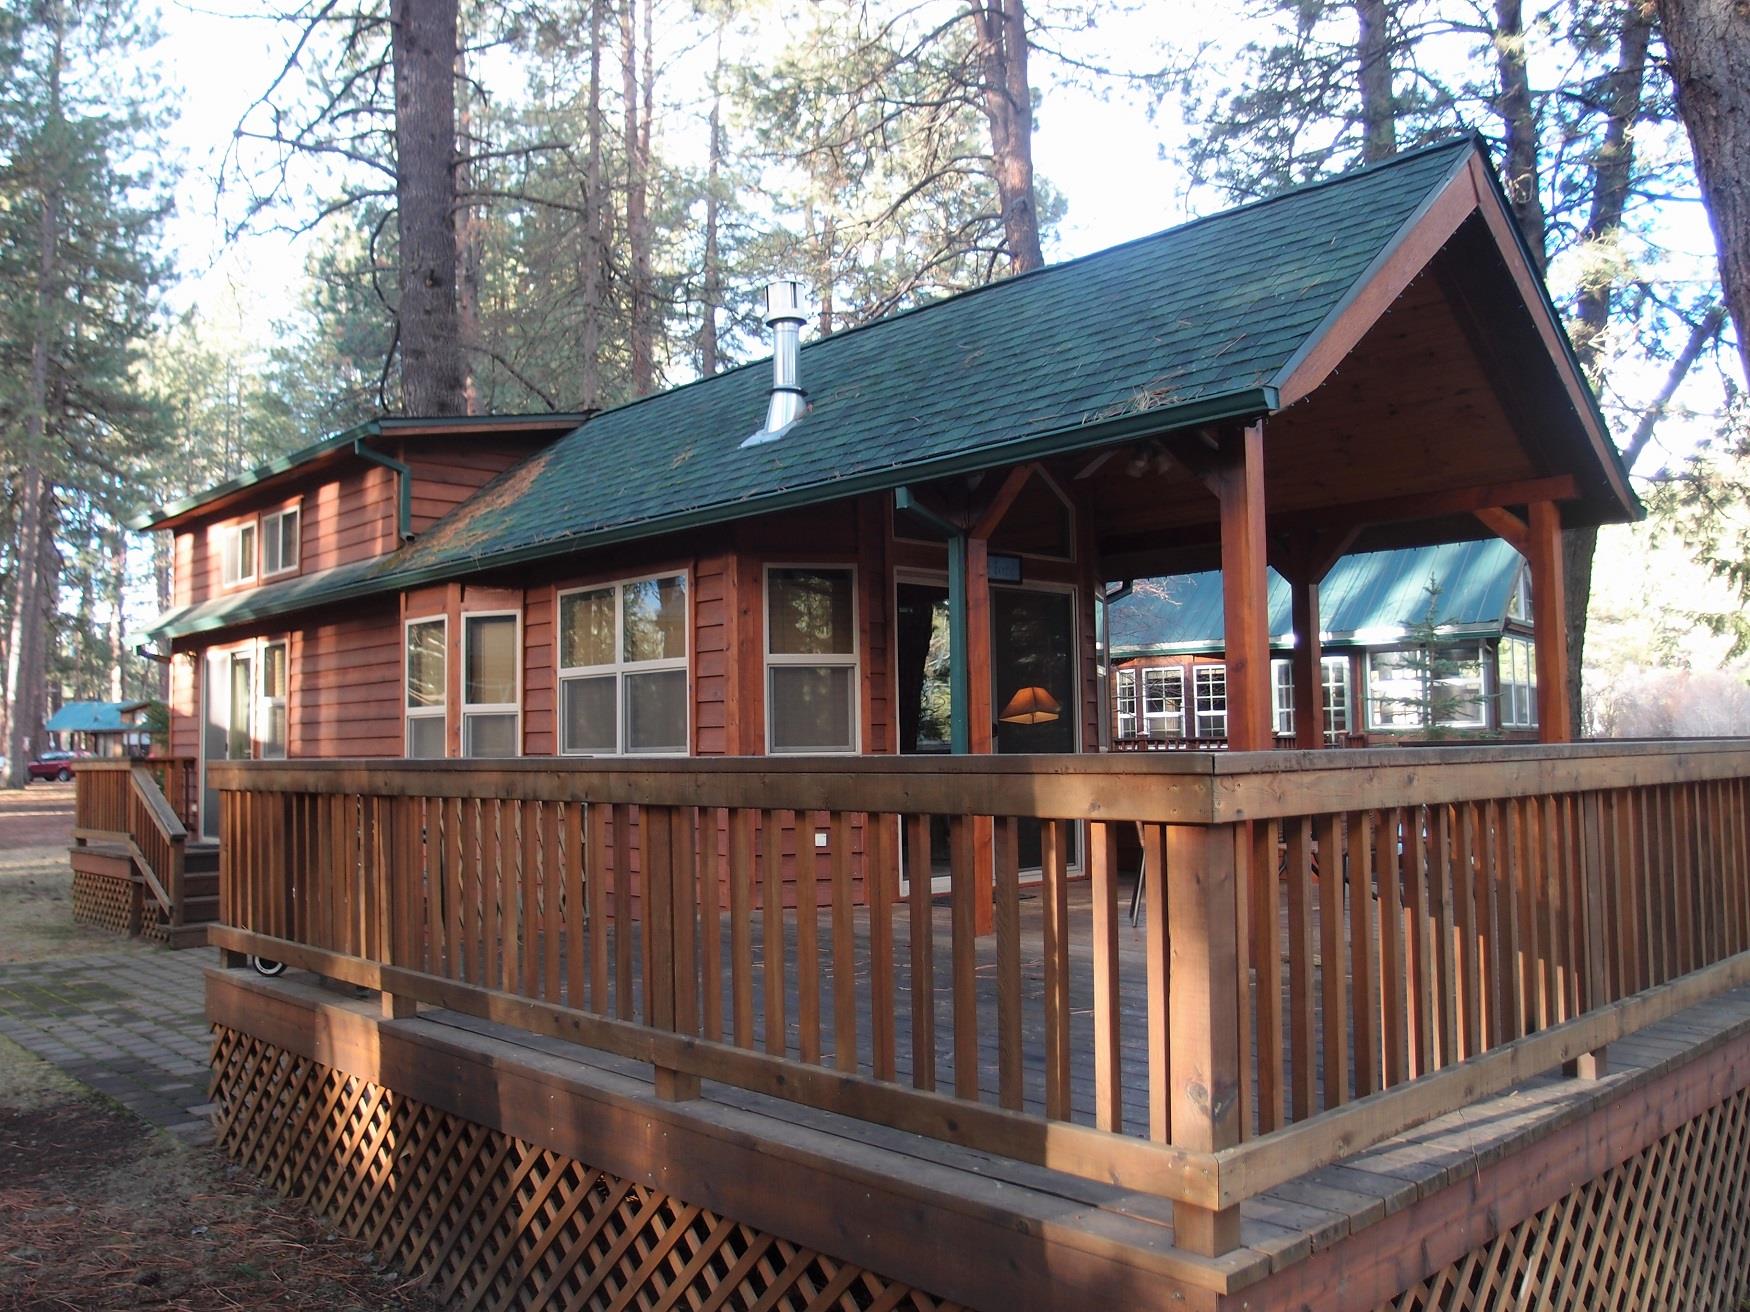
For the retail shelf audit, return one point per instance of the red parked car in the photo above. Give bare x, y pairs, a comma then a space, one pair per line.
55, 765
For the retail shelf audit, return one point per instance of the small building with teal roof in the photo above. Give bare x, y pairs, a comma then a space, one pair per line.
1430, 642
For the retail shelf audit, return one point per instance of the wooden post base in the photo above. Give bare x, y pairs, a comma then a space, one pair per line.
675, 1086
1208, 1232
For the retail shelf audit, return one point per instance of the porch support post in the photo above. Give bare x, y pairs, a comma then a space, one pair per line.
981, 726
1239, 483
1549, 615
1309, 687
959, 719
1203, 1018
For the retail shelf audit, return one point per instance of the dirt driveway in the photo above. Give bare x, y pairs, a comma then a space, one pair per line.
36, 888
98, 1209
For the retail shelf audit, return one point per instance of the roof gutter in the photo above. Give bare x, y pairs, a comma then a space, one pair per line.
1245, 404
403, 485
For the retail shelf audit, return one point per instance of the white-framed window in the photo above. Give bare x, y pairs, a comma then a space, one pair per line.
811, 658
427, 642
1124, 702
1209, 685
1519, 601
1163, 701
1282, 697
623, 668
1426, 688
237, 553
491, 683
240, 723
271, 717
1518, 669
1334, 674
279, 541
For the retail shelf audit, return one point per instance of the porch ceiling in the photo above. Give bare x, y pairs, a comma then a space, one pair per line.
1440, 396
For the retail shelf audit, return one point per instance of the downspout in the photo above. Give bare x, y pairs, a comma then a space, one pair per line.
403, 484
959, 670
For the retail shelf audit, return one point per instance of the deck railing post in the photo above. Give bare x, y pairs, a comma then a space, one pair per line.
1595, 1064
664, 936
1203, 1014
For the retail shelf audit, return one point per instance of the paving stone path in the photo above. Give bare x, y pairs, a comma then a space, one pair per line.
132, 1026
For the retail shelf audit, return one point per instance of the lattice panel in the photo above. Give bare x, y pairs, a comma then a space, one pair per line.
490, 1221
154, 923
106, 902
1666, 1231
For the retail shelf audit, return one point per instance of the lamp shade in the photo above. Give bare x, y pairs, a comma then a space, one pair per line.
1031, 706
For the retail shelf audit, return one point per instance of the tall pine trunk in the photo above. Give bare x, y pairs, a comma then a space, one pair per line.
1002, 45
637, 202
424, 46
1519, 171
470, 242
1379, 115
1709, 45
117, 547
33, 554
711, 286
594, 240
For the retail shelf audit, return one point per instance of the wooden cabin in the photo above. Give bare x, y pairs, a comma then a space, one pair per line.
1386, 1028
1420, 645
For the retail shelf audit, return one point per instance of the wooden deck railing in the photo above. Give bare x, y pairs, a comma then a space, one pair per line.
1335, 946
120, 802
100, 798
178, 780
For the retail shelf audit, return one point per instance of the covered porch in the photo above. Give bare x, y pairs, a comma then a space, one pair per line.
1501, 916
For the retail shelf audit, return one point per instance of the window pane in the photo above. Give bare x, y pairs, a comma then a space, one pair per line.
237, 744
425, 737
425, 663
586, 628
589, 710
491, 661
273, 732
273, 670
246, 551
656, 619
810, 612
656, 712
489, 735
811, 708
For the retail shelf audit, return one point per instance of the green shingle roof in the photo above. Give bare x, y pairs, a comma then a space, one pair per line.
1196, 323
1373, 597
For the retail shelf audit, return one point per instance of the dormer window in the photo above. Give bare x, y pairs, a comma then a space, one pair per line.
279, 542
239, 554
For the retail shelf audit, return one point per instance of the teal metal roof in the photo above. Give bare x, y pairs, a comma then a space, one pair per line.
1196, 323
94, 717
1373, 598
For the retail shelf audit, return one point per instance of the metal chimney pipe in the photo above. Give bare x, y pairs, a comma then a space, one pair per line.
785, 316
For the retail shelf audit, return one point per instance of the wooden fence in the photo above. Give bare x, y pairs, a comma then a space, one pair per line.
1333, 946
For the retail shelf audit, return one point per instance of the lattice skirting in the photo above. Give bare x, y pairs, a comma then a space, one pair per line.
1668, 1230
106, 901
489, 1221
154, 922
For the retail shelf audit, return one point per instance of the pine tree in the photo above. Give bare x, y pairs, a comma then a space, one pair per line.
79, 276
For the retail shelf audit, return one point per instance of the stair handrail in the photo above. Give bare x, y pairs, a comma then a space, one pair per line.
156, 837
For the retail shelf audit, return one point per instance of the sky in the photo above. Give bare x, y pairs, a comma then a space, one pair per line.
1111, 161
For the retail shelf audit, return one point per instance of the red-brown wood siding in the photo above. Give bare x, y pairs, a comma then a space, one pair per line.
345, 686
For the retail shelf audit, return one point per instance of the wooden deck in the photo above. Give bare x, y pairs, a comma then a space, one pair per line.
1030, 1237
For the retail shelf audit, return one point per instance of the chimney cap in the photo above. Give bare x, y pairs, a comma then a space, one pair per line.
784, 302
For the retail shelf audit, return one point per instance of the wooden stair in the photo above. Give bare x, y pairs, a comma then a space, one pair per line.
135, 871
